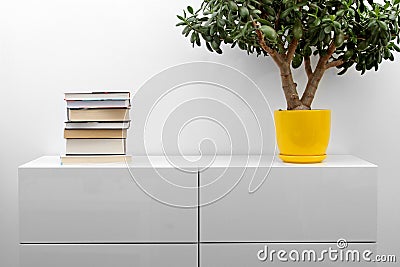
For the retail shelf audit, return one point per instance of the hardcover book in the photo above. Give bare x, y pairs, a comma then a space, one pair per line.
96, 133
76, 159
97, 125
97, 96
98, 114
96, 146
98, 103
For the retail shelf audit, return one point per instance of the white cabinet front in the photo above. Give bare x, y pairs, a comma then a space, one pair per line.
108, 255
304, 203
287, 254
76, 205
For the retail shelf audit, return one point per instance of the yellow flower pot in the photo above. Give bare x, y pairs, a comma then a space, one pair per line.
302, 135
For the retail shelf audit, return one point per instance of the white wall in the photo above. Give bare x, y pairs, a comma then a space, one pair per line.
51, 46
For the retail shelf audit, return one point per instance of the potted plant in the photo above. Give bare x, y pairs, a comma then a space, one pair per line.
338, 33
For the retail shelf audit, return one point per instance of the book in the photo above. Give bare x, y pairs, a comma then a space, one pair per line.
96, 133
97, 125
71, 159
97, 96
98, 103
96, 146
98, 114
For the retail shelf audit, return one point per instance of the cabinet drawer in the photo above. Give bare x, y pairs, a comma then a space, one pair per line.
106, 205
108, 255
249, 255
294, 204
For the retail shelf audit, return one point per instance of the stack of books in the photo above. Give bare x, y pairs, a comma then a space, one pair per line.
96, 128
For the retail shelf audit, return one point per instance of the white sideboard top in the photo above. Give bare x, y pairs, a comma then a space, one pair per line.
203, 162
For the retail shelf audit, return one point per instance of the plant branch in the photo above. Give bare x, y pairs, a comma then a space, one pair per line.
315, 78
307, 66
290, 89
273, 53
277, 17
288, 85
334, 63
291, 50
330, 51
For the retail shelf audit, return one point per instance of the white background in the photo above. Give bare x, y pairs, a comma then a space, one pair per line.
51, 46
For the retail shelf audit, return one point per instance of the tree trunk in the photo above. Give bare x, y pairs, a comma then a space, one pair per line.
283, 62
289, 86
290, 90
312, 86
315, 78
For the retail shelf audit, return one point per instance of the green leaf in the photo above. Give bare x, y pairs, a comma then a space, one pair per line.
265, 22
316, 22
213, 29
328, 29
362, 45
193, 37
348, 54
297, 30
186, 30
396, 47
327, 39
343, 71
314, 6
256, 12
190, 9
383, 25
386, 53
337, 25
340, 12
221, 23
233, 6
206, 37
300, 4
297, 61
269, 33
215, 45
270, 11
244, 12
307, 51
242, 45
321, 36
326, 19
285, 13
339, 39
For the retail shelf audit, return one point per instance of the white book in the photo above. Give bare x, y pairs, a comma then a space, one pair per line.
97, 95
98, 103
97, 125
96, 146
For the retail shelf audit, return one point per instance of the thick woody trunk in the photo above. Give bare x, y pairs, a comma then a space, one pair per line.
290, 89
312, 86
315, 77
283, 62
